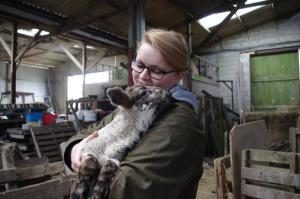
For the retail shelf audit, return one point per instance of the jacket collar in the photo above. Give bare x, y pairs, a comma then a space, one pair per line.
180, 93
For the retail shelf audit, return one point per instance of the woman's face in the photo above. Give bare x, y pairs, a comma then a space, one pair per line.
150, 57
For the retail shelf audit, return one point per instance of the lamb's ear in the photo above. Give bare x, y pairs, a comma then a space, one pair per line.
119, 97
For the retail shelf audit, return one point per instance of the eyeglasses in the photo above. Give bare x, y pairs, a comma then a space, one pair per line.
154, 73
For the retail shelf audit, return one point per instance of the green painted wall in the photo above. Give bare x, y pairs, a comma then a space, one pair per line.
274, 81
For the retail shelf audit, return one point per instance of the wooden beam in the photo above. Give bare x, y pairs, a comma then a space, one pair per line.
220, 26
71, 56
83, 18
38, 53
28, 46
261, 3
97, 60
245, 27
5, 45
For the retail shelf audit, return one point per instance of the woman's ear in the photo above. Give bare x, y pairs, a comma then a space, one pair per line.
181, 76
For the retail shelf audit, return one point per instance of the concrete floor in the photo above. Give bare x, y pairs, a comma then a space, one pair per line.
206, 188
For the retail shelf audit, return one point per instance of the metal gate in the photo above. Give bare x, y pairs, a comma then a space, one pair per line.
274, 81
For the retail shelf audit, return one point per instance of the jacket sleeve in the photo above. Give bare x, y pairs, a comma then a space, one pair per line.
166, 163
68, 145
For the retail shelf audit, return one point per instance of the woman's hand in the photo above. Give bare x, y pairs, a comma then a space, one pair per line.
77, 150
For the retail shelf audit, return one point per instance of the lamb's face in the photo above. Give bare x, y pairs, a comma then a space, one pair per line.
141, 97
148, 97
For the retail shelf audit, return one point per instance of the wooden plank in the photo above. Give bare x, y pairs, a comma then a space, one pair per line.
8, 175
48, 148
51, 142
251, 135
39, 170
53, 136
31, 172
51, 153
271, 176
49, 129
16, 136
292, 139
220, 166
265, 193
271, 156
31, 162
51, 189
36, 146
55, 158
270, 168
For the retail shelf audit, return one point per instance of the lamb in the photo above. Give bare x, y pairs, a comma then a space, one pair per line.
138, 107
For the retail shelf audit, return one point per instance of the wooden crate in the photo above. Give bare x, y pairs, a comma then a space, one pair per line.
270, 174
48, 138
294, 139
58, 188
31, 178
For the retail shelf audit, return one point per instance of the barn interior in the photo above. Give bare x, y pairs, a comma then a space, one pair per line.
58, 58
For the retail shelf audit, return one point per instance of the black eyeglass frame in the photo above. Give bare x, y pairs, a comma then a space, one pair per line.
149, 70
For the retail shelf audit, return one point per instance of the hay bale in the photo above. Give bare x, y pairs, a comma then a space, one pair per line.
278, 123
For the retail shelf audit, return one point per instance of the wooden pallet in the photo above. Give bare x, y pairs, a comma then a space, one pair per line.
270, 174
48, 138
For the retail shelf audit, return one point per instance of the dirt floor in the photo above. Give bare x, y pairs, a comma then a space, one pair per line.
206, 188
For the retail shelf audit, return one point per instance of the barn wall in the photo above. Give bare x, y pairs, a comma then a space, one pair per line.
29, 79
232, 55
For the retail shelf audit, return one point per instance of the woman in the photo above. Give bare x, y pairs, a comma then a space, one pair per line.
167, 162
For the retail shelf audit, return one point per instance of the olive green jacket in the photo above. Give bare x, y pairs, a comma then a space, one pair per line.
167, 161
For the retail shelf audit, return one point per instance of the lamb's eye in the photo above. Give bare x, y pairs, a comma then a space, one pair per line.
143, 93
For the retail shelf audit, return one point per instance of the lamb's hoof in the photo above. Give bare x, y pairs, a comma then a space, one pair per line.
101, 188
80, 191
88, 168
99, 193
96, 193
107, 173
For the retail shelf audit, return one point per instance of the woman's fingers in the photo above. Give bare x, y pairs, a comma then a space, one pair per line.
77, 151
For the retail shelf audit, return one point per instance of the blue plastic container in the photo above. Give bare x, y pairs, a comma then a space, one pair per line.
34, 116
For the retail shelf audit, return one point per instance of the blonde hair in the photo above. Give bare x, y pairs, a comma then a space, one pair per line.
171, 45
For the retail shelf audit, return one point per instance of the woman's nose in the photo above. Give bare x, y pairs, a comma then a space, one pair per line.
145, 74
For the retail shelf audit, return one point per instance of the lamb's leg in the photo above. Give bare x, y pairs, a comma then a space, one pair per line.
104, 179
88, 170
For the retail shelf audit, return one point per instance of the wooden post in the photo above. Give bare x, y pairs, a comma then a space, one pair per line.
14, 46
